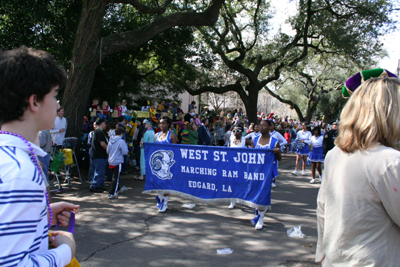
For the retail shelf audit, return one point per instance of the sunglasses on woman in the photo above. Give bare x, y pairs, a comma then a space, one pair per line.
236, 131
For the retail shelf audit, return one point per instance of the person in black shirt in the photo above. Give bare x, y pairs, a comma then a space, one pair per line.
99, 157
329, 138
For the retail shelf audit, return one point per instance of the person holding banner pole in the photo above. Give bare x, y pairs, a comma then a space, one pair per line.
265, 141
148, 137
164, 137
237, 140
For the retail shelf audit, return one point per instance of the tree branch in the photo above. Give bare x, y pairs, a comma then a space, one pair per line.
143, 76
288, 102
299, 35
255, 21
142, 8
133, 39
236, 87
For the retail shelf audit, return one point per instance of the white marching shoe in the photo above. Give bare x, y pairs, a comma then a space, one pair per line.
312, 181
260, 222
163, 206
159, 197
295, 173
303, 172
232, 205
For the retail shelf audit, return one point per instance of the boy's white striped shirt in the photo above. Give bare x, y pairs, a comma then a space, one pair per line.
23, 210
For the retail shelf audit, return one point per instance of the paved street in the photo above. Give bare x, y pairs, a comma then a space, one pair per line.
130, 232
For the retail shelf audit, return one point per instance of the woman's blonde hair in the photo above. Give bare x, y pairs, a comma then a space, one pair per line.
371, 115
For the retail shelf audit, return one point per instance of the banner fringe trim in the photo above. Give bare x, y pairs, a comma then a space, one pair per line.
215, 200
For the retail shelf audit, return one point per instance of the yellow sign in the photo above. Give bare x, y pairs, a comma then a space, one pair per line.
142, 114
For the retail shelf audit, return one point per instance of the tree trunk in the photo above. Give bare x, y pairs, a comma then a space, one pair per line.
250, 103
327, 117
299, 114
86, 57
308, 116
89, 48
307, 119
289, 102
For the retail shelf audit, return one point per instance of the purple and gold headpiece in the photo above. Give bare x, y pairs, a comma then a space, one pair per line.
355, 81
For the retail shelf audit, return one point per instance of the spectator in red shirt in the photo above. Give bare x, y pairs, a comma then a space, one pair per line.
95, 106
105, 108
287, 136
118, 108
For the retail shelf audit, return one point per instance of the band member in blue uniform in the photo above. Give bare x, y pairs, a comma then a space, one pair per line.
265, 141
166, 136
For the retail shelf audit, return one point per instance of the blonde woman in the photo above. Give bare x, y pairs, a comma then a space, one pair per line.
358, 202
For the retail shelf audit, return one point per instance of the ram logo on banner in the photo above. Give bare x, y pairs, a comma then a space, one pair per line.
161, 162
210, 174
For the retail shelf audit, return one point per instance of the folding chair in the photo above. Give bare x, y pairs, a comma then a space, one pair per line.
70, 142
54, 148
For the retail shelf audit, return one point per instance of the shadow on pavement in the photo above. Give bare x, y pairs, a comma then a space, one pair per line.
129, 231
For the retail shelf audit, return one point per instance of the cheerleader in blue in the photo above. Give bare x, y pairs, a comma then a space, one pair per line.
265, 141
316, 156
302, 136
166, 136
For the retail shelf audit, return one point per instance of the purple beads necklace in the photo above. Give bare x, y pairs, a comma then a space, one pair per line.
36, 163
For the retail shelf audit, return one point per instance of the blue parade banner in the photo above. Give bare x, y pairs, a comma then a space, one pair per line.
210, 174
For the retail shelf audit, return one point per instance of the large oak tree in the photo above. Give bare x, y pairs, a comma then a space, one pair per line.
144, 70
91, 47
253, 58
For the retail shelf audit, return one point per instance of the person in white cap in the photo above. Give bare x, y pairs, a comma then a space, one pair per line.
148, 137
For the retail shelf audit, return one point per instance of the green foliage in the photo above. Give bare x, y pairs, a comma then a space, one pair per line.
353, 26
239, 50
315, 85
52, 25
47, 25
331, 106
254, 55
152, 68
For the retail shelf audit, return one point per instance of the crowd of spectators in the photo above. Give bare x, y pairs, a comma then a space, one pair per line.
196, 127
